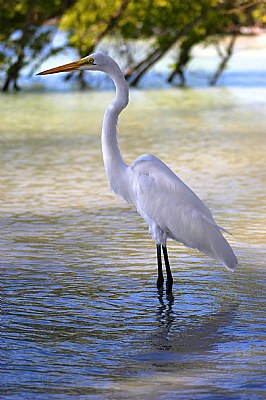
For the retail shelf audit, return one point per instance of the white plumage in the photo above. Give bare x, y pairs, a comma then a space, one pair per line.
173, 210
170, 208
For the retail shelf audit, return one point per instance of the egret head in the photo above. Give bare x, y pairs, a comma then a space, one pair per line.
94, 62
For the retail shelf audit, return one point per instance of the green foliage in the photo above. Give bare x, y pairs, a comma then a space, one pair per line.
23, 33
85, 21
161, 19
28, 26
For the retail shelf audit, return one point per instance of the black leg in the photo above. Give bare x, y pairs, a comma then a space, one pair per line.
160, 269
169, 282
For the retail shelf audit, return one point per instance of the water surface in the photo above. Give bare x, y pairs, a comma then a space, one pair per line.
81, 314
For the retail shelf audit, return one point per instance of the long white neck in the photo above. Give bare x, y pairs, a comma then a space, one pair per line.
114, 165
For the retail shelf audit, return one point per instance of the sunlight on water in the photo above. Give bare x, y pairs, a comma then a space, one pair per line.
81, 314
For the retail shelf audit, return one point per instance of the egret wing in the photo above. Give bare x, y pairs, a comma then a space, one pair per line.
160, 196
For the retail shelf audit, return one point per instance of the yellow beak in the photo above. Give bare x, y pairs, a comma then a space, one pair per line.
73, 66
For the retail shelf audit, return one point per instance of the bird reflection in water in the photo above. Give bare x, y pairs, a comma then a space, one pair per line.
198, 335
165, 310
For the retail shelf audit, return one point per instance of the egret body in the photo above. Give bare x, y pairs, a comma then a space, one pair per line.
170, 208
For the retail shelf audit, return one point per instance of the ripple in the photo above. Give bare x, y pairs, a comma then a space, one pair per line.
81, 314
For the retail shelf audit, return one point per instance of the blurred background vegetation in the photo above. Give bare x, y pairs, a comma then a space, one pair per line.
28, 29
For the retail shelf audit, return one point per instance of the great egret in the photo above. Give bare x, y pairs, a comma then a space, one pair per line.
170, 208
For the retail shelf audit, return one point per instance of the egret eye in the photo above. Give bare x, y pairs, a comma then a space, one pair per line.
88, 61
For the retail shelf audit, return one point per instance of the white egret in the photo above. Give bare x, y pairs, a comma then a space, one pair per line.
170, 208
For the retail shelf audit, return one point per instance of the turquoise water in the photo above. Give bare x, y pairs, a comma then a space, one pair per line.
81, 314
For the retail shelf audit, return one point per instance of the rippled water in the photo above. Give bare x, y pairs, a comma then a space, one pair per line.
81, 314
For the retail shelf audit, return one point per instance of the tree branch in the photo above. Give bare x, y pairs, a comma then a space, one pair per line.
150, 60
225, 59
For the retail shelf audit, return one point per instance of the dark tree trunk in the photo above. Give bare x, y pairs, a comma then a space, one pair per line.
224, 61
183, 59
147, 64
28, 31
13, 71
178, 70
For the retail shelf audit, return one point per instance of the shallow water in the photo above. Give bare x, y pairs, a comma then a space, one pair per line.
81, 314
